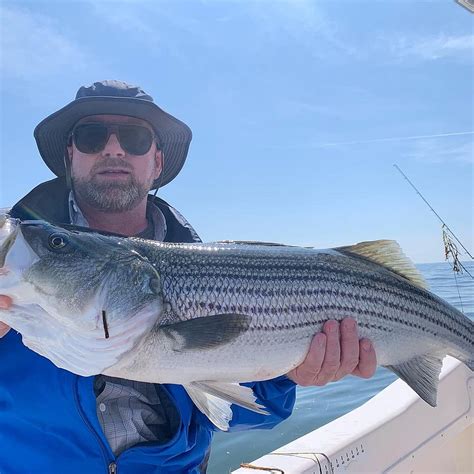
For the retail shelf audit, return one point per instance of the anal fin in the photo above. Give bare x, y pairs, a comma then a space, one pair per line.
214, 399
422, 375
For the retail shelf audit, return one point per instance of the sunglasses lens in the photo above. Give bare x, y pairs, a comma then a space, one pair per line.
135, 139
90, 138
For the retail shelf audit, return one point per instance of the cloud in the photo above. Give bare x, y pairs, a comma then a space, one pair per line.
326, 37
303, 21
159, 26
438, 151
396, 139
32, 46
432, 48
300, 108
127, 17
306, 22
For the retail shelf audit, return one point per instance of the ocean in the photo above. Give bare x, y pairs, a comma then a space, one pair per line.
316, 406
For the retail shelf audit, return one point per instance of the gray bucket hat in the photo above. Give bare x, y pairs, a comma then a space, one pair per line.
114, 98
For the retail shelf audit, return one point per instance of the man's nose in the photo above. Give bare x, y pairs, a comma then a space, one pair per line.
113, 147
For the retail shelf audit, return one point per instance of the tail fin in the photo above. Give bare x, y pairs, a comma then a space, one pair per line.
422, 374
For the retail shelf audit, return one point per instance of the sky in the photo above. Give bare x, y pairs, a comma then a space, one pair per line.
299, 109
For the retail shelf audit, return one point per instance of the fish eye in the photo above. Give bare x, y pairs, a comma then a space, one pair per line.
155, 286
58, 241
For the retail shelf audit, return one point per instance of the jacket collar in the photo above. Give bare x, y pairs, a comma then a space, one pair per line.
49, 201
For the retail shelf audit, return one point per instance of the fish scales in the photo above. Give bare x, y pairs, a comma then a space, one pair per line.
290, 289
209, 315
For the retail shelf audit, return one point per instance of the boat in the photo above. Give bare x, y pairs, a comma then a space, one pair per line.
394, 432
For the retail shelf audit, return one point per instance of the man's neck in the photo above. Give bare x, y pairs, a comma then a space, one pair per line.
127, 223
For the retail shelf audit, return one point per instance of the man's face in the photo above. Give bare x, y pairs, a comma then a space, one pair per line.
112, 179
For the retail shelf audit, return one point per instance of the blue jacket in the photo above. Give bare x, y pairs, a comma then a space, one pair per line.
48, 420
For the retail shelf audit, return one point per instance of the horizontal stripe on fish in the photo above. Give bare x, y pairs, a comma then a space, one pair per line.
408, 302
321, 309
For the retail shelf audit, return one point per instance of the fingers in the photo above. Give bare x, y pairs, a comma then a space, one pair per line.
349, 348
335, 353
5, 303
307, 372
367, 360
332, 358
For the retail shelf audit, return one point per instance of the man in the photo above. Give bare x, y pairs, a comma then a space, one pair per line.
109, 147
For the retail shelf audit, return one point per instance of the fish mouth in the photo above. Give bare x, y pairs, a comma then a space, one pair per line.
9, 228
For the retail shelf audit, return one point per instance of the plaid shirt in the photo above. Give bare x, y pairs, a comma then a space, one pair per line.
131, 412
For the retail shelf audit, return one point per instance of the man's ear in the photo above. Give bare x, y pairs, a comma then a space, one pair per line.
67, 166
159, 161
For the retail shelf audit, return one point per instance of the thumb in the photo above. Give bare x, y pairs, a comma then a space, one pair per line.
3, 329
5, 302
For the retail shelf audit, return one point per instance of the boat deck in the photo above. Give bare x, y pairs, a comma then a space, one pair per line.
394, 432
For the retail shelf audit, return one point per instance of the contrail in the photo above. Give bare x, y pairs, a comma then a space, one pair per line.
394, 139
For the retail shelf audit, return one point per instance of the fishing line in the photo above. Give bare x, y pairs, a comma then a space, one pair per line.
435, 213
459, 293
261, 468
451, 249
314, 457
449, 246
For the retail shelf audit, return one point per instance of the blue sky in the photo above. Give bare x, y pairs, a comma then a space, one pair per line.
298, 108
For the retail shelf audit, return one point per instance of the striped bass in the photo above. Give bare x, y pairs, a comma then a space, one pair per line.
208, 316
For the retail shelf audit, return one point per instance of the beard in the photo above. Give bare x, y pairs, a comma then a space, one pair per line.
111, 196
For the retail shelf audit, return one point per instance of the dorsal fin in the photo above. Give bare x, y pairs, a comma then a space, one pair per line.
388, 254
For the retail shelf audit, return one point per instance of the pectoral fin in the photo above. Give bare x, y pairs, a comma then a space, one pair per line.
422, 375
206, 332
214, 399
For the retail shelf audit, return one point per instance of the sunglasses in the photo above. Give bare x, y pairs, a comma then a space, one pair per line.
92, 137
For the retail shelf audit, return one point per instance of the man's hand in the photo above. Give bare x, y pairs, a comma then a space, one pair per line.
334, 353
5, 303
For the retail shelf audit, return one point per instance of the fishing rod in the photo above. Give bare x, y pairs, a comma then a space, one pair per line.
449, 246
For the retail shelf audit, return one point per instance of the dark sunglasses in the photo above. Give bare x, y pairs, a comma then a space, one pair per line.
92, 137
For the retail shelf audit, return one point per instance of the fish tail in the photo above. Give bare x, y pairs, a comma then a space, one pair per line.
421, 373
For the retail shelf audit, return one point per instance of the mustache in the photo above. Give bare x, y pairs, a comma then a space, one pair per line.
108, 163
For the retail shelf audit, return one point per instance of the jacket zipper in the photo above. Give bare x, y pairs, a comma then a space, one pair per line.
111, 466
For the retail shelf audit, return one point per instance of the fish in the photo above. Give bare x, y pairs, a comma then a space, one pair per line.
210, 316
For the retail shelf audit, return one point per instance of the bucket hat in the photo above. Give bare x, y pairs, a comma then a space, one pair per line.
113, 97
